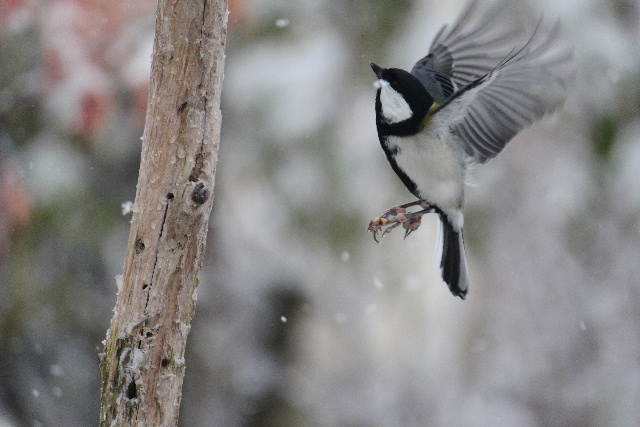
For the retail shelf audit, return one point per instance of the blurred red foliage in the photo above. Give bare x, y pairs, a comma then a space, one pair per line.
16, 208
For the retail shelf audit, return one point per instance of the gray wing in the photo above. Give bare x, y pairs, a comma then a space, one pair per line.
489, 112
473, 46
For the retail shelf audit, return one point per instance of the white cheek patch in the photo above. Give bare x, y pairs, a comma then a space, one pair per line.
394, 108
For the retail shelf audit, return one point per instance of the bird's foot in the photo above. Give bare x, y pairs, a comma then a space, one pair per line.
396, 216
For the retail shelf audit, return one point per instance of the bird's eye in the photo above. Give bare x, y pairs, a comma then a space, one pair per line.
394, 84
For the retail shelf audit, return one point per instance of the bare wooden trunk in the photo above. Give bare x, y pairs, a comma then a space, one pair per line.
143, 362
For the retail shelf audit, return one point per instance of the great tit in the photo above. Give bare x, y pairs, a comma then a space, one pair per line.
461, 104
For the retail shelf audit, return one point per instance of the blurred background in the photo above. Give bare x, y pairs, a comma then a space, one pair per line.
302, 319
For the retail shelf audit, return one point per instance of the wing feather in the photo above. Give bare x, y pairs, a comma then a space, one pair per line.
473, 45
487, 113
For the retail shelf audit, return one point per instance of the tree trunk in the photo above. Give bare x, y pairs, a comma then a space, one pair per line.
143, 361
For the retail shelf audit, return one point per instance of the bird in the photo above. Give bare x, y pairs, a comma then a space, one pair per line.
484, 80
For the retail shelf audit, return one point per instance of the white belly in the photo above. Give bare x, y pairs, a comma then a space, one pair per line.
437, 169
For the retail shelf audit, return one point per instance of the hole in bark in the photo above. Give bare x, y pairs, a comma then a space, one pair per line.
164, 362
200, 194
132, 390
182, 107
145, 286
149, 334
169, 196
139, 246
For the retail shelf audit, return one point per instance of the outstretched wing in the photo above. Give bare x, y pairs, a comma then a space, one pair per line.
487, 113
473, 46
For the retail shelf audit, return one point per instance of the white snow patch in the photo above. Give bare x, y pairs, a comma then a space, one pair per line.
129, 326
282, 23
127, 208
119, 282
184, 328
56, 370
138, 359
346, 256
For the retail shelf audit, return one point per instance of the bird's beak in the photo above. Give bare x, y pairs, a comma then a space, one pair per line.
377, 69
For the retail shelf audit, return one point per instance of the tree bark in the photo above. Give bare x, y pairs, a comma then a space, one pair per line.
143, 361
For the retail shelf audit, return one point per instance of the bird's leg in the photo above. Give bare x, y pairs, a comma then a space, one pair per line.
397, 215
390, 216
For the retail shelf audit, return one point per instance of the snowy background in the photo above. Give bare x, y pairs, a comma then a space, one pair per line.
302, 319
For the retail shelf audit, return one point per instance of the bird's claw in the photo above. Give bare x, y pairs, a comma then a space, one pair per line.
386, 222
396, 216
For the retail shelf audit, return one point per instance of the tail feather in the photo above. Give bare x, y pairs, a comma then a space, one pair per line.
454, 261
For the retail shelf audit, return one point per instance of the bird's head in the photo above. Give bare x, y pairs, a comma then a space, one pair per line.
401, 98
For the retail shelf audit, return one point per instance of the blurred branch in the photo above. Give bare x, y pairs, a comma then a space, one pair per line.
143, 363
